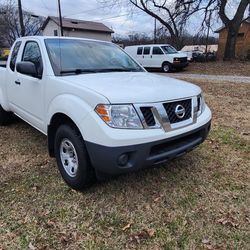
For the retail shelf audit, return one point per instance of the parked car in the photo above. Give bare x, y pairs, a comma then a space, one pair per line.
198, 56
158, 56
189, 55
102, 112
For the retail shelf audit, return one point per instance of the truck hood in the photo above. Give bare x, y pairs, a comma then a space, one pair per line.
135, 87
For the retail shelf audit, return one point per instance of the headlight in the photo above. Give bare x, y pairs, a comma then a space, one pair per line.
201, 103
119, 116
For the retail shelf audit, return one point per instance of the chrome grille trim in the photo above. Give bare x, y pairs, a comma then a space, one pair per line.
161, 116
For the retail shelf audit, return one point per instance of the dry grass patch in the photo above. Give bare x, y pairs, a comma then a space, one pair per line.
219, 68
199, 201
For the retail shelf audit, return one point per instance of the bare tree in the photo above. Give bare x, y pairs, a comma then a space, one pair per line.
219, 7
10, 28
232, 25
172, 15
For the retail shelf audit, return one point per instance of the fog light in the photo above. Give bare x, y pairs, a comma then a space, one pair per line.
123, 160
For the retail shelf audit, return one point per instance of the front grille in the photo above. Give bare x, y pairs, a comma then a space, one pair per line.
182, 59
170, 109
148, 116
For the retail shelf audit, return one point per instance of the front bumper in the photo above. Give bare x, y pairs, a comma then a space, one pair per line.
123, 159
179, 65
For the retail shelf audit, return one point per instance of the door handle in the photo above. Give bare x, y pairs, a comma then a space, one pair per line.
17, 82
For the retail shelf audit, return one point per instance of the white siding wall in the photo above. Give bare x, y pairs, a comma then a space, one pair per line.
51, 26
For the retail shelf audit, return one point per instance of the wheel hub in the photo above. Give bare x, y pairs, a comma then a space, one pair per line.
69, 157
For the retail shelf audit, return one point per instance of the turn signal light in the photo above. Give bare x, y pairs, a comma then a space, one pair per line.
102, 111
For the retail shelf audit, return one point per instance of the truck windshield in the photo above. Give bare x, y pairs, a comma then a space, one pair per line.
69, 56
169, 49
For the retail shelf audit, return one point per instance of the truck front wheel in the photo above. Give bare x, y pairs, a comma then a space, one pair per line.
72, 157
166, 67
4, 117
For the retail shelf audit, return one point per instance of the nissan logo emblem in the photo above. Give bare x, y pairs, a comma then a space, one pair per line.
180, 111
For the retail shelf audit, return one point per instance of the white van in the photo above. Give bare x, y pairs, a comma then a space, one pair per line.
158, 56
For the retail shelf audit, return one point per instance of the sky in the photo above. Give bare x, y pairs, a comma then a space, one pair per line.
120, 19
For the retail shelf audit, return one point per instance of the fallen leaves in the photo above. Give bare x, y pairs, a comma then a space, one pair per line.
228, 222
126, 227
205, 241
31, 247
142, 235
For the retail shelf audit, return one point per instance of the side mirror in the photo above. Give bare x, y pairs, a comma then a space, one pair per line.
27, 68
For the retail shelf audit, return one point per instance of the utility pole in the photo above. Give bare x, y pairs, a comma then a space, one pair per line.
208, 31
60, 17
20, 12
155, 32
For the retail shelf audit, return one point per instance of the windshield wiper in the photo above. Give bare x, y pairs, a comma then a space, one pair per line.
78, 71
118, 70
82, 71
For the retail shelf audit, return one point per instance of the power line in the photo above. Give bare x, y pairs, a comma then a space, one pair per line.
112, 17
86, 11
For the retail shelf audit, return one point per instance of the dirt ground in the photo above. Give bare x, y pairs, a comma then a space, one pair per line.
219, 68
198, 201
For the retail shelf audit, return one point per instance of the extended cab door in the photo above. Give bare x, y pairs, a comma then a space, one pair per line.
26, 93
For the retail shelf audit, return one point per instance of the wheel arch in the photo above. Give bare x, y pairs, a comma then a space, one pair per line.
164, 62
56, 121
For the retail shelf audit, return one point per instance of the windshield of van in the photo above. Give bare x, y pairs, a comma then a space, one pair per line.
69, 56
169, 49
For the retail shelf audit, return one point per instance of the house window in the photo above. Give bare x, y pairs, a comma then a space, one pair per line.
55, 33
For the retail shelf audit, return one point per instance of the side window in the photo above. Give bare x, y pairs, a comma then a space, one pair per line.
32, 53
146, 51
157, 51
14, 56
139, 51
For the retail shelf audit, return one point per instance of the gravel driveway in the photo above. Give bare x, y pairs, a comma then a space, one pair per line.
220, 78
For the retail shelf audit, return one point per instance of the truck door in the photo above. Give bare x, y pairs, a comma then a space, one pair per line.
147, 57
139, 55
26, 93
158, 57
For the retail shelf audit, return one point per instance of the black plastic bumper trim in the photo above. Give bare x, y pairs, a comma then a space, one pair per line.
105, 159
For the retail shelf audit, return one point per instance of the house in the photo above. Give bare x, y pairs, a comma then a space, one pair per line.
202, 48
76, 28
242, 50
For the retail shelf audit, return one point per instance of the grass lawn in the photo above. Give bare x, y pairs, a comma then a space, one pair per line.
219, 68
198, 201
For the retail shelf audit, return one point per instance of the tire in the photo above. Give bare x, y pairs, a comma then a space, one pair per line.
5, 117
72, 158
166, 67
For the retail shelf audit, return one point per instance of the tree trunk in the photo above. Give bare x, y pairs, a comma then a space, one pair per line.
229, 53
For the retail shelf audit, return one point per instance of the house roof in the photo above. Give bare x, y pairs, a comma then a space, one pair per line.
247, 21
69, 23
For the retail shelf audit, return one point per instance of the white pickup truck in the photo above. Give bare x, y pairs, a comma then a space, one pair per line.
102, 112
